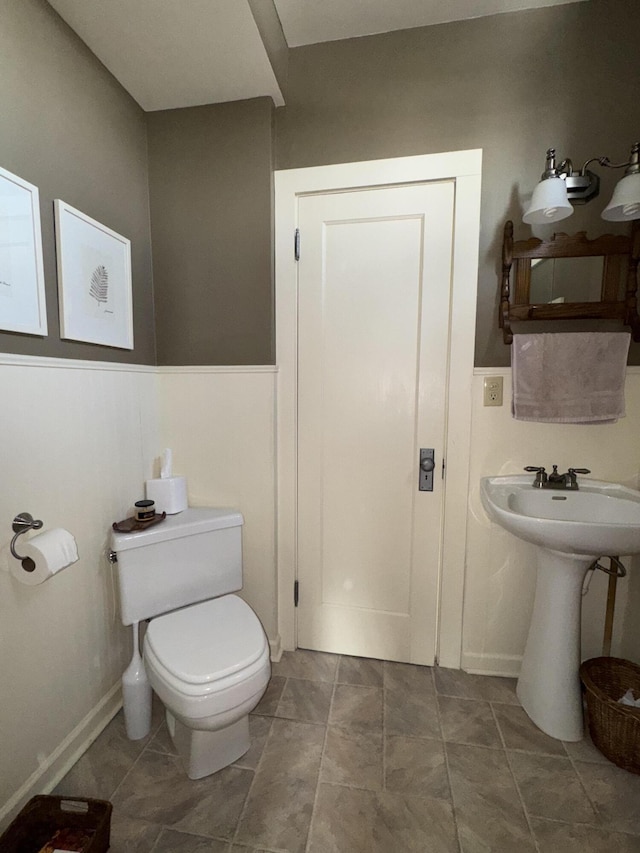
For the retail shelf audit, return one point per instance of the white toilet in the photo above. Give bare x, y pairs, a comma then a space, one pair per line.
205, 652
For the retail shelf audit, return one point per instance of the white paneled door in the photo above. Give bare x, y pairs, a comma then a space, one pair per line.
374, 285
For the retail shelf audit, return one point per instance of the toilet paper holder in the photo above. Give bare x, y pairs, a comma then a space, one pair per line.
22, 523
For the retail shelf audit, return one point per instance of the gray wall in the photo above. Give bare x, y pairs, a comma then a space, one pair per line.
211, 212
511, 84
69, 128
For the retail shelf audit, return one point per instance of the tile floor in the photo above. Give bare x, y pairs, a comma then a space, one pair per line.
352, 755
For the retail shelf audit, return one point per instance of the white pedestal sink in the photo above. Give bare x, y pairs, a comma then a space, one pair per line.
571, 530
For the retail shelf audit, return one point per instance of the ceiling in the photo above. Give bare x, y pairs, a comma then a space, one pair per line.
176, 53
181, 53
310, 21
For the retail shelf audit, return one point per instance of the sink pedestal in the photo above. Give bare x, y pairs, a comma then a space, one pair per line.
549, 684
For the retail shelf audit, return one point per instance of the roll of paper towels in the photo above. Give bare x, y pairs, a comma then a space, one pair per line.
169, 494
51, 552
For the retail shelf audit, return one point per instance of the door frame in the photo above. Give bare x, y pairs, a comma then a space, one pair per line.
464, 168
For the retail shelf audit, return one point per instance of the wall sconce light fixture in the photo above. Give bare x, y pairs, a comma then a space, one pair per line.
560, 188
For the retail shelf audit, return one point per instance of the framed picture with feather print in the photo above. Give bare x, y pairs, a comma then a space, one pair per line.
94, 280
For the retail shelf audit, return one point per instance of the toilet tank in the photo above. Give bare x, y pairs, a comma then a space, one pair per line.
188, 557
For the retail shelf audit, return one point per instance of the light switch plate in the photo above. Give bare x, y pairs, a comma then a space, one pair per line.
493, 390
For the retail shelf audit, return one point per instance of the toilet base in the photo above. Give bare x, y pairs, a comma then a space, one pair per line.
203, 752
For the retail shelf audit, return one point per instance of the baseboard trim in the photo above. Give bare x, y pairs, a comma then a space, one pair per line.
276, 649
57, 765
507, 666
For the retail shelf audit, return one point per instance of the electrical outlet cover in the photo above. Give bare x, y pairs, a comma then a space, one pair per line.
493, 390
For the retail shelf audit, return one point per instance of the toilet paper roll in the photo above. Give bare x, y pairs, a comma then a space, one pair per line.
169, 494
51, 552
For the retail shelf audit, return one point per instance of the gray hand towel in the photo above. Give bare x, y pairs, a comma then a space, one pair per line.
572, 378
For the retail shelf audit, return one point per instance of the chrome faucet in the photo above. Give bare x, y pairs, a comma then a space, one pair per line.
558, 481
555, 480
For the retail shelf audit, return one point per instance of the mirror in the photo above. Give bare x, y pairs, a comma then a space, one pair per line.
567, 280
570, 277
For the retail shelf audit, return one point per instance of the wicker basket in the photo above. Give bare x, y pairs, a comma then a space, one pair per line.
614, 728
43, 816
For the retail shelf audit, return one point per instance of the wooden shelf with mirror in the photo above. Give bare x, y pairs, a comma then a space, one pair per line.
570, 278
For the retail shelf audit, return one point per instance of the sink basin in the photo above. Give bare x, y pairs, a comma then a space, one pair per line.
600, 518
571, 530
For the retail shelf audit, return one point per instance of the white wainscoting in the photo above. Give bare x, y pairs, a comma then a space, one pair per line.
80, 438
220, 424
77, 444
500, 569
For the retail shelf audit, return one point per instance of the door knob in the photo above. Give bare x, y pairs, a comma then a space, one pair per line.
427, 464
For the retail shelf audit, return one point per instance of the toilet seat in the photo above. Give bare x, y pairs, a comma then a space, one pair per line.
208, 642
183, 648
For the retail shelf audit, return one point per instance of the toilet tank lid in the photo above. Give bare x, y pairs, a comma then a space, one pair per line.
185, 523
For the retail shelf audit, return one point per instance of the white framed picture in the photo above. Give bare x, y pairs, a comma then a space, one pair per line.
22, 301
94, 280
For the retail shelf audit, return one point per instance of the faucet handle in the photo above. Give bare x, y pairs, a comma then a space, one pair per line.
541, 475
579, 471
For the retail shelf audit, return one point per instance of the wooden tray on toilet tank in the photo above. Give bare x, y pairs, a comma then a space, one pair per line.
132, 525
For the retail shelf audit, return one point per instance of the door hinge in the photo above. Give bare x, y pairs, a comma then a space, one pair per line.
443, 467
296, 245
296, 590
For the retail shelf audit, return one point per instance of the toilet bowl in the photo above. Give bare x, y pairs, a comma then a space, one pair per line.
209, 665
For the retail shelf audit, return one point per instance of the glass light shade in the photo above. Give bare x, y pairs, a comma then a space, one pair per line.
549, 202
625, 201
